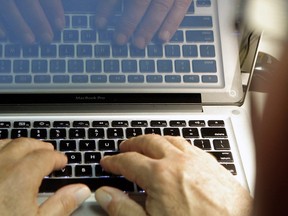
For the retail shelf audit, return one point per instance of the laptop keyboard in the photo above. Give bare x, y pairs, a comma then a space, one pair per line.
82, 57
85, 142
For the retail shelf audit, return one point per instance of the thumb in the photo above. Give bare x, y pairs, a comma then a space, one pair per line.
117, 203
65, 200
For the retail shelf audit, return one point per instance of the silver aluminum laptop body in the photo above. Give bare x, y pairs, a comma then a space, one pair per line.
76, 95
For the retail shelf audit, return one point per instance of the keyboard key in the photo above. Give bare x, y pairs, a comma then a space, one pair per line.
160, 123
39, 66
67, 145
77, 133
164, 66
102, 51
57, 66
57, 133
22, 124
105, 36
152, 131
16, 133
21, 66
87, 145
61, 124
79, 21
196, 123
48, 51
99, 79
119, 51
203, 144
216, 123
3, 133
136, 52
139, 123
202, 66
172, 78
120, 124
172, 51
111, 66
73, 157
207, 50
147, 66
30, 51
154, 79
129, 66
61, 79
190, 132
177, 123
100, 124
117, 78
6, 79
93, 66
209, 79
83, 170
213, 132
23, 79
199, 36
136, 79
64, 172
182, 66
80, 79
155, 50
178, 37
197, 22
221, 144
189, 51
41, 124
5, 124
107, 145
113, 133
92, 157
39, 133
223, 157
81, 124
133, 132
88, 36
70, 36
5, 66
12, 50
203, 3
66, 51
75, 66
84, 51
231, 168
171, 132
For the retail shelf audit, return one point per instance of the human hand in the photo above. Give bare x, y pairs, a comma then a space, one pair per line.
179, 179
23, 164
143, 19
29, 21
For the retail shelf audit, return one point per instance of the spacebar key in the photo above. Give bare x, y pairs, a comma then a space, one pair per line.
51, 185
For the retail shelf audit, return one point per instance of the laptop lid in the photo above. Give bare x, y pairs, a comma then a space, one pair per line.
23, 84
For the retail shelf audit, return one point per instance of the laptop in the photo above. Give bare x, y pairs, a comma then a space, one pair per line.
84, 94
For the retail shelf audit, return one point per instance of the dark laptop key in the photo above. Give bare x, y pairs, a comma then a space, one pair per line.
100, 124
221, 144
119, 51
79, 21
16, 133
213, 132
39, 66
3, 133
66, 51
190, 132
30, 51
12, 50
231, 168
96, 133
93, 66
77, 133
53, 142
51, 185
39, 133
70, 36
197, 22
22, 124
203, 66
203, 144
102, 51
106, 145
172, 51
67, 145
199, 36
48, 50
178, 37
5, 124
155, 50
165, 66
105, 36
58, 66
60, 124
120, 123
216, 123
81, 124
73, 157
92, 157
113, 133
153, 131
182, 66
64, 172
58, 133
171, 132
136, 52
160, 123
5, 66
147, 66
177, 123
129, 66
133, 132
189, 51
84, 51
75, 66
87, 145
224, 157
111, 66
88, 36
83, 170
197, 123
111, 153
139, 123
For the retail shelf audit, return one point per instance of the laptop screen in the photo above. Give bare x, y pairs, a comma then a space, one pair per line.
91, 52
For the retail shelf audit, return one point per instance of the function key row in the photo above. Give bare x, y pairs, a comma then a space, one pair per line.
135, 123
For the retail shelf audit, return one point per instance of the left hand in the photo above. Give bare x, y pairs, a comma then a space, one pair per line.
143, 19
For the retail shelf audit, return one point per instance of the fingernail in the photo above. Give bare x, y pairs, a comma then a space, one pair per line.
103, 198
121, 39
140, 42
81, 194
165, 36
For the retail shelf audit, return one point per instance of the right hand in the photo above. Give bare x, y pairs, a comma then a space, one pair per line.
31, 20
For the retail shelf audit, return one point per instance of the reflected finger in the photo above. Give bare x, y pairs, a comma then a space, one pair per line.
134, 10
173, 19
103, 11
15, 23
34, 15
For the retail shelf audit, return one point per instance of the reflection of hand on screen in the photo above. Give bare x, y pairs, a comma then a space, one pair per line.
28, 21
143, 19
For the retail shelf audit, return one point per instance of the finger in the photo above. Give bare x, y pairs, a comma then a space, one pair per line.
40, 163
153, 146
132, 165
152, 21
134, 10
4, 142
2, 31
55, 13
18, 148
103, 11
65, 200
178, 142
36, 19
15, 22
115, 202
173, 19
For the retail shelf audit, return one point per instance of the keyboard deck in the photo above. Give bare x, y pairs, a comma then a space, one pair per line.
81, 57
85, 142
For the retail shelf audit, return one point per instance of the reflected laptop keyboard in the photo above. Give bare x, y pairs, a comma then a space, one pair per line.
85, 142
82, 57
